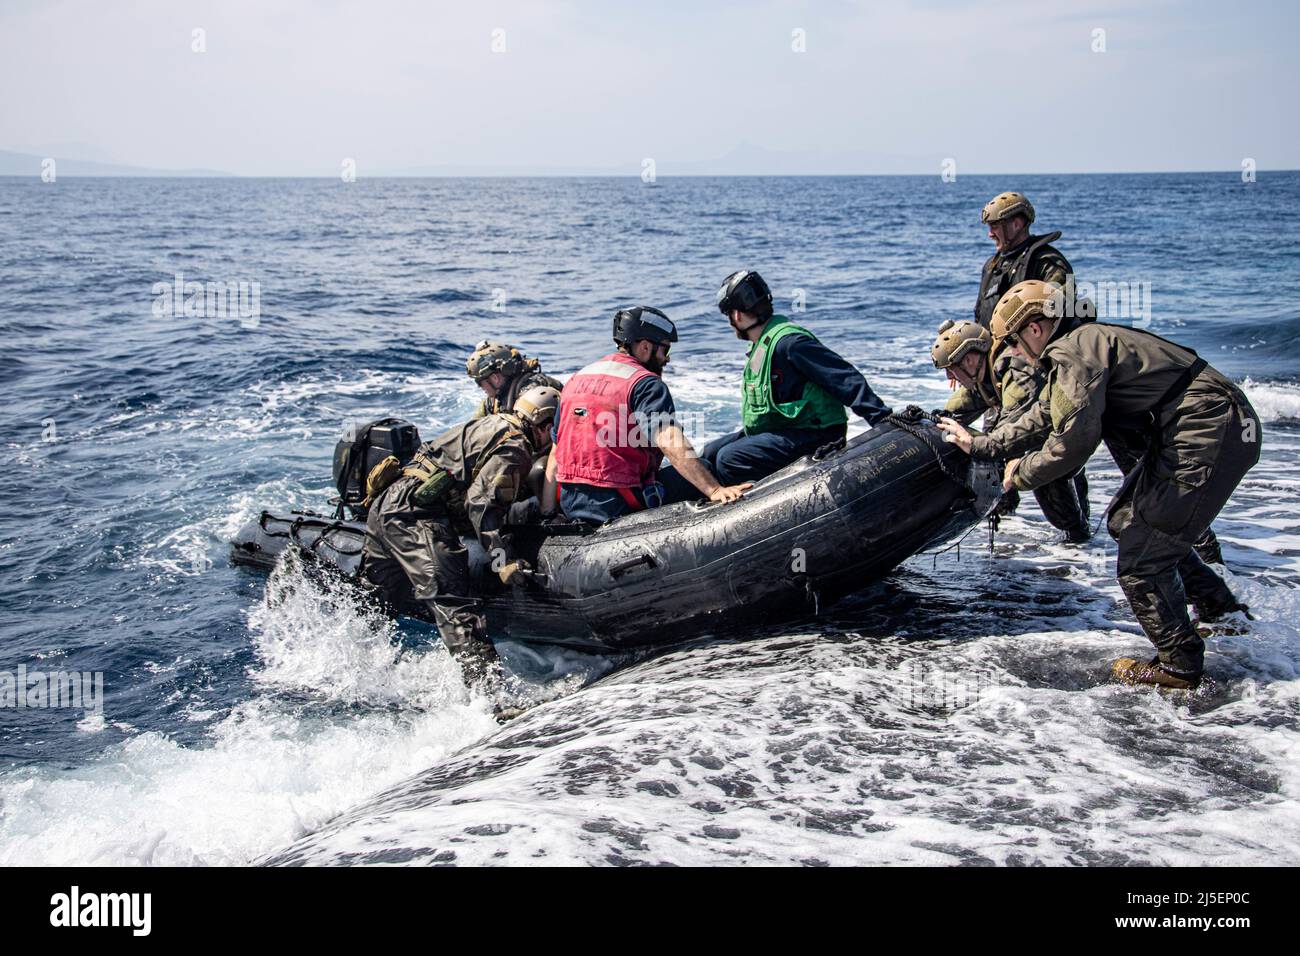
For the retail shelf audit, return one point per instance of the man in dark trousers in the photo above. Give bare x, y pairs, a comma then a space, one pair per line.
1198, 433
463, 482
615, 426
793, 393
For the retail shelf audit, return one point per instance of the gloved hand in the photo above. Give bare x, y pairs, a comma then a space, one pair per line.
527, 511
516, 572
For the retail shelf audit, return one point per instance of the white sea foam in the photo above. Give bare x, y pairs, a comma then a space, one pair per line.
1274, 401
343, 713
433, 401
882, 750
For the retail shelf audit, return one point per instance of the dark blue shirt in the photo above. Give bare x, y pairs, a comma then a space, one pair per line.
800, 359
651, 405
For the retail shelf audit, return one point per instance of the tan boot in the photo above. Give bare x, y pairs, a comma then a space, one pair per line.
1129, 670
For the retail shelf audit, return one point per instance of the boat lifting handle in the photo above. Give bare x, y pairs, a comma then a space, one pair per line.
620, 569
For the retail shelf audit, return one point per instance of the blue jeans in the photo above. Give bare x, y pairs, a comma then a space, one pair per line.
739, 457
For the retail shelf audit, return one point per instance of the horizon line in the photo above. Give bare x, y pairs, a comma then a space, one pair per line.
564, 175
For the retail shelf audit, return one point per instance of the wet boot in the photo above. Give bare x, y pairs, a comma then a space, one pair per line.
1078, 534
1209, 614
1160, 605
1208, 593
464, 631
1129, 670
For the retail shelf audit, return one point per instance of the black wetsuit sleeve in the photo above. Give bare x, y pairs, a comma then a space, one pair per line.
817, 364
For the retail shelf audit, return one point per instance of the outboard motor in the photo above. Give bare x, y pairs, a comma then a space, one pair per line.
362, 447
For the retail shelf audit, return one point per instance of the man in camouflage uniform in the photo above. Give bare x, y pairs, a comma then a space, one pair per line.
462, 482
962, 350
1022, 256
1200, 436
504, 373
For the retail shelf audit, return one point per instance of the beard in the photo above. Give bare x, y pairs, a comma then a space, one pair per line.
654, 363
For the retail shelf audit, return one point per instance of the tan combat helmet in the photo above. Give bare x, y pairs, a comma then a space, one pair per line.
1005, 206
956, 339
489, 357
1025, 302
538, 405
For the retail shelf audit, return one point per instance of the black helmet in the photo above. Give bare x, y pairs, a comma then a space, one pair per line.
746, 291
642, 322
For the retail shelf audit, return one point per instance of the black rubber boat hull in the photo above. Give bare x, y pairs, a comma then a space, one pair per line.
814, 532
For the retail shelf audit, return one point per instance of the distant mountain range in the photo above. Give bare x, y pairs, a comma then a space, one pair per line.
30, 164
744, 160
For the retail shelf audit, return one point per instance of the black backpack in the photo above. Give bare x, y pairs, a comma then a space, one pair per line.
360, 450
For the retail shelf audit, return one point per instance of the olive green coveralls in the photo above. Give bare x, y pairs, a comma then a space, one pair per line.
1201, 437
413, 550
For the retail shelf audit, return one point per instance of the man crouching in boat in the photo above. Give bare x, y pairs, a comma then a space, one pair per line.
462, 482
1199, 433
794, 390
615, 426
503, 373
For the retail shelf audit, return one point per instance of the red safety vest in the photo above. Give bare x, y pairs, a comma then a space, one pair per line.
599, 441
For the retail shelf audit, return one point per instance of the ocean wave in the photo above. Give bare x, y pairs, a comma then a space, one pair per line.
1274, 401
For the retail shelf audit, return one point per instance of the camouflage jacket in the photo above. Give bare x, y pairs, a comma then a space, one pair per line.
1106, 381
488, 460
505, 400
1019, 383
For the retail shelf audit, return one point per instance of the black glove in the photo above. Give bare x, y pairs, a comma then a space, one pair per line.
527, 511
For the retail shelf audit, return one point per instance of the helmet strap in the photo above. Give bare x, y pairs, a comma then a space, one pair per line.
1024, 346
988, 388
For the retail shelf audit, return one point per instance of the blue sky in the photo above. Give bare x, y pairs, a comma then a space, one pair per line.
294, 88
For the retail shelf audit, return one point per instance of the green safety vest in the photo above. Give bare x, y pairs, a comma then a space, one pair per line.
759, 413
